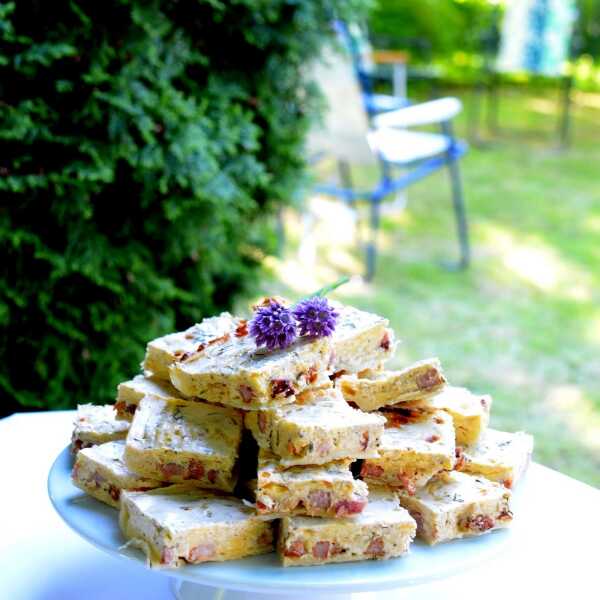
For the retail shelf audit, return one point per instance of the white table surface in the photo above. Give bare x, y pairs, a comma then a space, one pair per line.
558, 553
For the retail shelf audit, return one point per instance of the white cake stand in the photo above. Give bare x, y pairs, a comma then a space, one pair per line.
98, 524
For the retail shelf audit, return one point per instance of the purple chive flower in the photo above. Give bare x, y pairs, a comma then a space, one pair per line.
315, 317
273, 326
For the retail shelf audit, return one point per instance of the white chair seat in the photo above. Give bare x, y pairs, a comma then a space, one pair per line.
384, 102
404, 147
426, 113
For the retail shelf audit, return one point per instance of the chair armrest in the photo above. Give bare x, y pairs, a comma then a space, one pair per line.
426, 113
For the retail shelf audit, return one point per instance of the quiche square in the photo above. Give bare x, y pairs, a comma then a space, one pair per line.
101, 472
454, 505
499, 456
319, 429
96, 425
412, 451
129, 393
236, 373
383, 388
471, 412
177, 441
361, 340
162, 352
178, 525
382, 530
327, 490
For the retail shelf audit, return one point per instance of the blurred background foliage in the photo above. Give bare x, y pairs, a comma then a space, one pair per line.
144, 145
434, 28
457, 35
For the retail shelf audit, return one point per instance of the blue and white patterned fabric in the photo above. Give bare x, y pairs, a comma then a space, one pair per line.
536, 35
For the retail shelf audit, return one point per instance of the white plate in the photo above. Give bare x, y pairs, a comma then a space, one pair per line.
98, 524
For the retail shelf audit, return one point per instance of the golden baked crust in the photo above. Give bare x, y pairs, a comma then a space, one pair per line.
179, 441
383, 530
455, 505
129, 393
164, 351
471, 412
384, 388
361, 340
178, 525
101, 472
96, 425
498, 456
327, 490
322, 429
235, 373
412, 451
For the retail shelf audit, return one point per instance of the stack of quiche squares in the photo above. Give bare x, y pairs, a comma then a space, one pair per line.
220, 450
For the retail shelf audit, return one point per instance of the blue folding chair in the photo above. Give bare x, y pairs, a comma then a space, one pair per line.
405, 157
358, 45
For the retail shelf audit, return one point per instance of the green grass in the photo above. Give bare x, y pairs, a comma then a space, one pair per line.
523, 323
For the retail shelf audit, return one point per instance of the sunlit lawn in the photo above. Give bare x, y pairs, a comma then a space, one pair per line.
523, 323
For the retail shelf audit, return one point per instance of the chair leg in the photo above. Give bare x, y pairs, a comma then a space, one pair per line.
475, 113
345, 176
460, 214
564, 128
493, 104
371, 250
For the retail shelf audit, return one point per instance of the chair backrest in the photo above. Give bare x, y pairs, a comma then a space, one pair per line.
356, 41
342, 133
536, 36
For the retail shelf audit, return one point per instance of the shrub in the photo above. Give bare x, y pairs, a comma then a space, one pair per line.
143, 146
